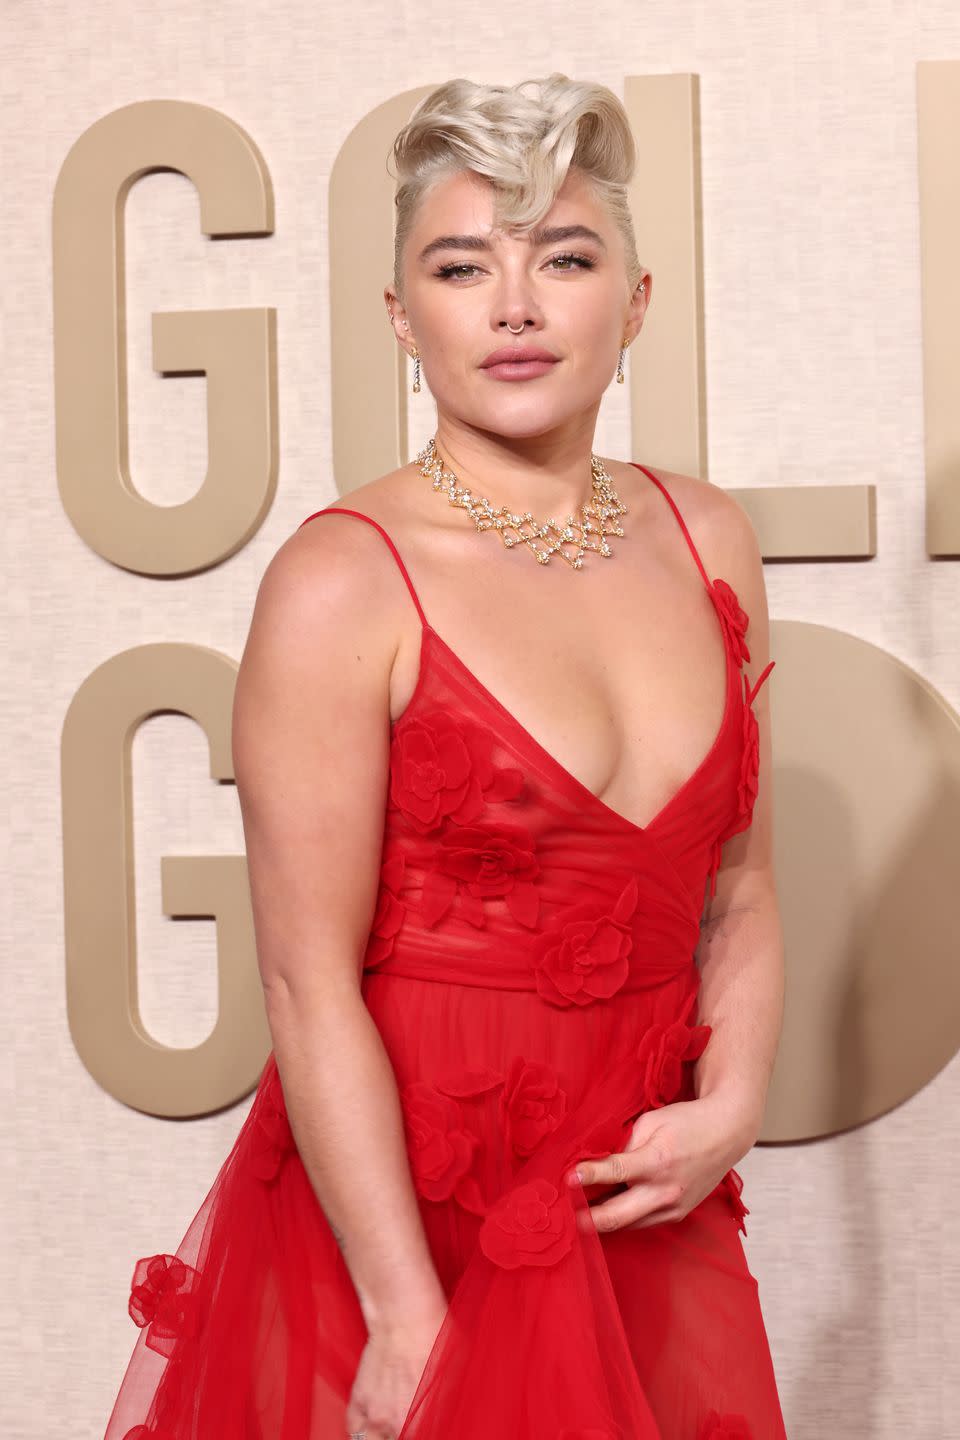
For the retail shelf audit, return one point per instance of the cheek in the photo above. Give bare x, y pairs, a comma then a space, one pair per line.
595, 329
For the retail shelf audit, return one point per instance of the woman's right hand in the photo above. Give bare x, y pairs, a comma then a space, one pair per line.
391, 1365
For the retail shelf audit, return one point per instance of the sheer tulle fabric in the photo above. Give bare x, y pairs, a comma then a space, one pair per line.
530, 969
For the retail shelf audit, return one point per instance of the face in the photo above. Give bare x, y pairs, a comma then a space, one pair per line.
566, 295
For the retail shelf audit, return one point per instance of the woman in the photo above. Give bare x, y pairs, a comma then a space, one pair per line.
510, 864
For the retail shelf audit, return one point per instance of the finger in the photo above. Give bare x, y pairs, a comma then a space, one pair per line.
355, 1423
616, 1169
663, 1215
377, 1429
643, 1203
361, 1425
650, 1158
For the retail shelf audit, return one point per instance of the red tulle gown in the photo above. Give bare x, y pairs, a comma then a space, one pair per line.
531, 969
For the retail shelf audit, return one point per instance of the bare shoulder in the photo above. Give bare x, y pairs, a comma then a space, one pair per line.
719, 527
718, 524
336, 565
387, 497
326, 606
310, 744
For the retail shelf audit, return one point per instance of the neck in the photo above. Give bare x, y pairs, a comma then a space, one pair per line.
550, 478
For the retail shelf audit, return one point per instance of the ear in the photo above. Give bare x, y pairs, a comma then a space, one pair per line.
637, 309
397, 316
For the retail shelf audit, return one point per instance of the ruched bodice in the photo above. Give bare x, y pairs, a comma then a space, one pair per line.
488, 837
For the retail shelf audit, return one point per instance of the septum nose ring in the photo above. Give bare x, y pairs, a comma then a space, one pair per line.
515, 332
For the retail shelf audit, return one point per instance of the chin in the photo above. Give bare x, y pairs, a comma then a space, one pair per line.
517, 422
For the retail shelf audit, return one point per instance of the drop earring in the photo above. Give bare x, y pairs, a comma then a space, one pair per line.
620, 375
416, 371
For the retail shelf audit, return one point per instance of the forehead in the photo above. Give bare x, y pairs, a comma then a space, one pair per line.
463, 202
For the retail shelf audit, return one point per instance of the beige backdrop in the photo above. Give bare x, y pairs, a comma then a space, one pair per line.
813, 377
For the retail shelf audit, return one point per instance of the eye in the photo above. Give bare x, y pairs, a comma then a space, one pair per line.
445, 271
581, 262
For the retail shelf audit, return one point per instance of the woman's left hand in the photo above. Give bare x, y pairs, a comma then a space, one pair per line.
676, 1155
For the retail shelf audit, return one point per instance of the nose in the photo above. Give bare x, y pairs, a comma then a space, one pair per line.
515, 305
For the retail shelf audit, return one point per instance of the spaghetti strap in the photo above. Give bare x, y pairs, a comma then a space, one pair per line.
673, 506
342, 510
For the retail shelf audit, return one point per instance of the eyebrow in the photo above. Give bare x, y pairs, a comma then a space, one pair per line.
545, 235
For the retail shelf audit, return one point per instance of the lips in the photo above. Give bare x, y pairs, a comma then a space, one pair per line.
518, 354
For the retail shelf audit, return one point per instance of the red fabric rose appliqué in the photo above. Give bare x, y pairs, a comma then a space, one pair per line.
533, 1224
532, 1104
163, 1301
750, 755
389, 914
747, 787
271, 1140
440, 767
725, 1427
732, 1186
479, 864
733, 618
748, 779
441, 1150
586, 953
662, 1053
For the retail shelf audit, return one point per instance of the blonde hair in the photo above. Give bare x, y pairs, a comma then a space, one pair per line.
524, 144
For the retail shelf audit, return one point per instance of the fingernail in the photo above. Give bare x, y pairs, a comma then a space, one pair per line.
575, 1178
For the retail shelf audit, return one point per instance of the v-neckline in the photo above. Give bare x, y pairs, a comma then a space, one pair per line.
428, 634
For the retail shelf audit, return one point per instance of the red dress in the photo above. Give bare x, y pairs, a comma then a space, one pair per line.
530, 968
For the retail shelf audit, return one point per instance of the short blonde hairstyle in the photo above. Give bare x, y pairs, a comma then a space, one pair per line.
524, 145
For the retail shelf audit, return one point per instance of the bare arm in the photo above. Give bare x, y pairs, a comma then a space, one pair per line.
740, 953
310, 748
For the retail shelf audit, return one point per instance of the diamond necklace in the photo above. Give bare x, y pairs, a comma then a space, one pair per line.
588, 530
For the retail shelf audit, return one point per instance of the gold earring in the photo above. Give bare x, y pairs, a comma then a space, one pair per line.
620, 375
416, 371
